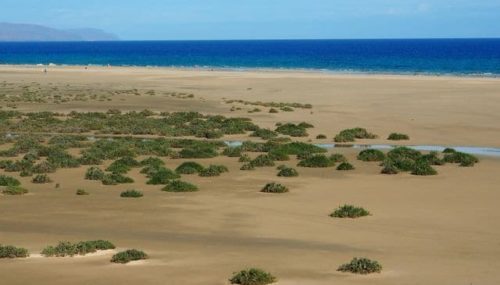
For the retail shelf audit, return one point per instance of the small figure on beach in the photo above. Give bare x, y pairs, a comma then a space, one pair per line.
45, 70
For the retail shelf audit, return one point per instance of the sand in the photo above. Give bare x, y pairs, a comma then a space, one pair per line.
424, 230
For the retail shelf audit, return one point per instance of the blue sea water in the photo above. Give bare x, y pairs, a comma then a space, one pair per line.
479, 57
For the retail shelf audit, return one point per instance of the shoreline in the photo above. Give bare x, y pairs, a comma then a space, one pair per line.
257, 70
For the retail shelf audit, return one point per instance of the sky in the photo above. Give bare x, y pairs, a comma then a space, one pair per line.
264, 19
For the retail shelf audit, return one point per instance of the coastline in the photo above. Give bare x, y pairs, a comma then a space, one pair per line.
242, 70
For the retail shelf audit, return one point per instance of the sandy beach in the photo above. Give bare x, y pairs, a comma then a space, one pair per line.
441, 229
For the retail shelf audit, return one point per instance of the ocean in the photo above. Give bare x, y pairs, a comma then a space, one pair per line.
461, 57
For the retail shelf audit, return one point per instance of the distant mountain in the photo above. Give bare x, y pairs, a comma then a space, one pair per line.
28, 32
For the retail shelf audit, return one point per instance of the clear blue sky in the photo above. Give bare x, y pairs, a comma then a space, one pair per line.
264, 19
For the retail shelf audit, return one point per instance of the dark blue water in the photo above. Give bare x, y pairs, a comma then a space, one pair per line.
445, 56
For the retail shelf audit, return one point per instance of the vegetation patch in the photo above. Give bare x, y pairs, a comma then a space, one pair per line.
65, 248
350, 135
41, 179
8, 181
81, 192
264, 134
15, 190
252, 276
9, 251
464, 159
292, 130
349, 211
232, 151
288, 172
115, 179
128, 256
213, 170
423, 168
371, 155
131, 194
94, 173
321, 137
345, 166
263, 160
274, 188
317, 161
398, 137
180, 186
361, 266
162, 176
189, 167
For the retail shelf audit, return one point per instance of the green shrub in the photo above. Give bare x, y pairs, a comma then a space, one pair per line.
274, 188
389, 167
162, 176
8, 181
449, 150
305, 125
345, 166
180, 186
286, 109
263, 160
464, 159
118, 167
398, 137
361, 266
199, 151
252, 276
278, 155
14, 190
9, 251
65, 248
432, 158
232, 151
349, 211
43, 167
244, 158
116, 178
350, 135
189, 167
371, 155
399, 153
94, 173
273, 111
41, 179
264, 134
247, 166
131, 194
317, 161
213, 170
128, 256
423, 168
288, 172
81, 192
337, 157
321, 137
292, 130
152, 161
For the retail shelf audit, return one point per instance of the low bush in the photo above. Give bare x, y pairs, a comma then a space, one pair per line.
94, 173
162, 176
65, 248
423, 168
449, 150
9, 251
189, 167
152, 161
398, 137
81, 192
350, 135
278, 155
128, 256
213, 170
321, 137
433, 158
15, 190
116, 178
131, 194
288, 172
198, 151
41, 179
349, 211
317, 161
8, 181
371, 155
273, 111
337, 157
292, 130
232, 151
264, 134
244, 158
274, 188
345, 166
389, 167
247, 166
361, 266
118, 167
43, 167
252, 276
463, 159
180, 186
263, 160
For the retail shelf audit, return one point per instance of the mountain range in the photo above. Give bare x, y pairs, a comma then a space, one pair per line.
30, 32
